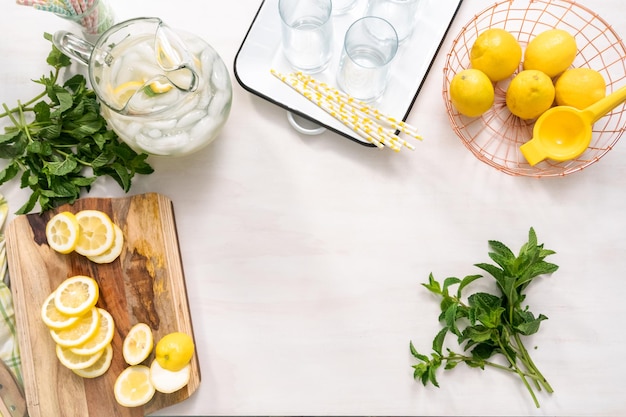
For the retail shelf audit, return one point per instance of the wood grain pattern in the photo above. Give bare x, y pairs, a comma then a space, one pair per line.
145, 284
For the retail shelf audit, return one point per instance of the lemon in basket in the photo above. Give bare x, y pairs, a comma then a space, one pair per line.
497, 53
530, 94
471, 92
579, 87
552, 51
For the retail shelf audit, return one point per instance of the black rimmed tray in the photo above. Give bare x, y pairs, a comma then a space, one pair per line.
261, 52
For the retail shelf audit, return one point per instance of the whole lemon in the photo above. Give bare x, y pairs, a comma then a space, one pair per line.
530, 93
497, 53
174, 350
552, 52
471, 92
579, 87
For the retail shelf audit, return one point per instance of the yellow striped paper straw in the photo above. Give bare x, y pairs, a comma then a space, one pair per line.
347, 113
360, 106
372, 132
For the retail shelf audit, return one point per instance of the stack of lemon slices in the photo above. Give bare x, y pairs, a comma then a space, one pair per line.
90, 233
82, 332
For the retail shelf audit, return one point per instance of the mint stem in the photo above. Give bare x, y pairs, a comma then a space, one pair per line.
521, 374
531, 365
24, 107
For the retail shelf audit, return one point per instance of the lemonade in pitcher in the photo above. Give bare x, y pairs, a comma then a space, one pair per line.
164, 92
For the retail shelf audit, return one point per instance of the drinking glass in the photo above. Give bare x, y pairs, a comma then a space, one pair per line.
342, 6
402, 14
370, 45
307, 33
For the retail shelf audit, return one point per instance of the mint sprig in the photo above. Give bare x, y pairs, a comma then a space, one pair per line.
487, 325
59, 144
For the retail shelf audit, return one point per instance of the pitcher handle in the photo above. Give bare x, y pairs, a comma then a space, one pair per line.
73, 46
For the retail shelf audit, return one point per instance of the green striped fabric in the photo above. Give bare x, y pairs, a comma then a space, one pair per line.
9, 348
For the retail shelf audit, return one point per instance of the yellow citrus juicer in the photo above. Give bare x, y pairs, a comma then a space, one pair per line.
563, 132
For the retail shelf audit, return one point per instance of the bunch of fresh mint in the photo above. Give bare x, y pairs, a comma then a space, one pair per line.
485, 324
59, 143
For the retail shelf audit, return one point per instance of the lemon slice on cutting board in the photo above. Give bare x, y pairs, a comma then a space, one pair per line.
103, 336
96, 234
53, 318
76, 295
114, 251
169, 381
138, 344
78, 333
73, 361
62, 232
133, 387
99, 367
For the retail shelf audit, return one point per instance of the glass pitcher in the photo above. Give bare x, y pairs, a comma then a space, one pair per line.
164, 92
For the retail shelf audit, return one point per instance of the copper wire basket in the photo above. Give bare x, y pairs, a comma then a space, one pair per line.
496, 136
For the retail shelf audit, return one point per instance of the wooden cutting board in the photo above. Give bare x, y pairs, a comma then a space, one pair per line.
145, 284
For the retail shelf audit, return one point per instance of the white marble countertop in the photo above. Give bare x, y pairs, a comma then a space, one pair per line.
304, 255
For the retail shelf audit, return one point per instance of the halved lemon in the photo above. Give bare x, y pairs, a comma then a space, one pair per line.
96, 233
137, 344
73, 361
102, 337
174, 350
123, 92
76, 295
52, 317
114, 251
169, 381
99, 367
133, 387
62, 232
80, 332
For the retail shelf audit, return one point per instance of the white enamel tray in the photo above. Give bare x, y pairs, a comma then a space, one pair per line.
261, 51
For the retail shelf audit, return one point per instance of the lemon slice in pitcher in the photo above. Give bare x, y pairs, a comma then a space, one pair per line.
123, 92
159, 87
